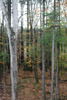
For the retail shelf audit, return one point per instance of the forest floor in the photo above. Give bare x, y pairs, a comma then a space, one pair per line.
29, 90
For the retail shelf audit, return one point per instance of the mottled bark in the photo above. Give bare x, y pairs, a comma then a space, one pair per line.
53, 46
12, 36
14, 70
43, 54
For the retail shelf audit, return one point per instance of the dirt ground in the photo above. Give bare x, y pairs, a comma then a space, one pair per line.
29, 90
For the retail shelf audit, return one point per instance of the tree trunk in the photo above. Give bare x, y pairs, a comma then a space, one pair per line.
28, 15
57, 74
35, 57
27, 35
31, 36
9, 18
4, 64
9, 11
43, 55
22, 43
14, 70
53, 46
40, 37
12, 35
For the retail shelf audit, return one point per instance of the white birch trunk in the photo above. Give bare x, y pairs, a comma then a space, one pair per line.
12, 35
14, 70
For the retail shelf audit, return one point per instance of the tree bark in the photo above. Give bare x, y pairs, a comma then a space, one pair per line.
9, 11
22, 43
57, 74
14, 70
53, 46
12, 36
43, 54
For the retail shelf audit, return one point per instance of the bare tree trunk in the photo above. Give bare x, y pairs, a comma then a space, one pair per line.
53, 46
27, 35
43, 54
34, 57
9, 18
9, 11
40, 36
28, 15
57, 74
22, 43
12, 35
4, 65
1, 48
14, 70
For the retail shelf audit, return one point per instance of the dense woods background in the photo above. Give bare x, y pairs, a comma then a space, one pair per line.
33, 49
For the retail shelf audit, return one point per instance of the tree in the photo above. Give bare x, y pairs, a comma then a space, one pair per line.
57, 73
22, 43
12, 36
53, 47
1, 52
9, 11
43, 54
27, 35
9, 18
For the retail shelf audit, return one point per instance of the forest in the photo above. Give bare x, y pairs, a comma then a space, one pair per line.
33, 49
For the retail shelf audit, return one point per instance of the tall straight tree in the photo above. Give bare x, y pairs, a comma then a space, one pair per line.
4, 65
9, 18
27, 35
31, 38
28, 15
1, 49
57, 73
9, 11
22, 43
43, 53
12, 36
40, 34
53, 47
